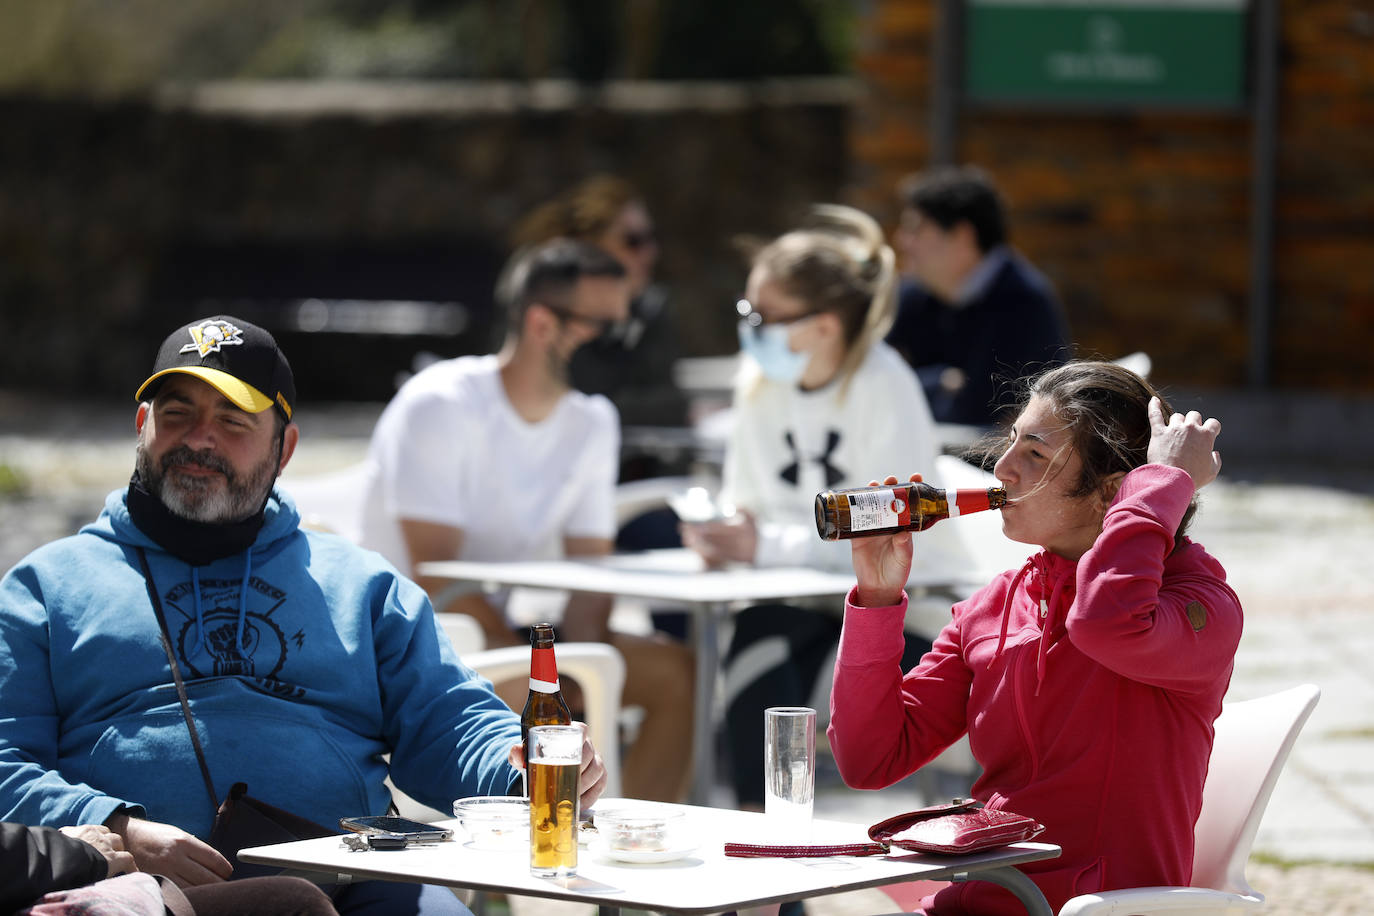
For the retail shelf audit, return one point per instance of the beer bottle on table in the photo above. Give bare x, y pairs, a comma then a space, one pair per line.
868, 511
545, 704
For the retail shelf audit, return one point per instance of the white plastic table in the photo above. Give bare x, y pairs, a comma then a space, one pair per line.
704, 881
680, 577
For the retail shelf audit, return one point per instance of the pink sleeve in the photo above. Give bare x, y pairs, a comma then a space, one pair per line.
883, 725
1162, 618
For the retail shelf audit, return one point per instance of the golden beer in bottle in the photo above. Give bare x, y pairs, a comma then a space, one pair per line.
545, 704
868, 511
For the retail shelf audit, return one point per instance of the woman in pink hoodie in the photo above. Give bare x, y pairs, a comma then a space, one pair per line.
1087, 680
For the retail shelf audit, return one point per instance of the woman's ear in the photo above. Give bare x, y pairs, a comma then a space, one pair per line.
1110, 484
829, 324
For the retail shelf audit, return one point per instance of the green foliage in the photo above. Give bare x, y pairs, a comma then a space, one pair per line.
112, 46
13, 482
714, 39
1267, 858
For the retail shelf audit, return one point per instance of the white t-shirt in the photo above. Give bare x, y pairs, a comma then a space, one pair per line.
787, 445
451, 449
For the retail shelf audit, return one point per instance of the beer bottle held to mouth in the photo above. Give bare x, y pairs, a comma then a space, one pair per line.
868, 511
545, 704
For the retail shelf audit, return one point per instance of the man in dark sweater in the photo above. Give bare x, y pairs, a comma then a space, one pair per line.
973, 314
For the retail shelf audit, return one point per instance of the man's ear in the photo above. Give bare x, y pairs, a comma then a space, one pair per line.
141, 416
967, 237
290, 436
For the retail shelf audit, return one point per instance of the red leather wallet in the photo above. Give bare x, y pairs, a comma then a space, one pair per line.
962, 826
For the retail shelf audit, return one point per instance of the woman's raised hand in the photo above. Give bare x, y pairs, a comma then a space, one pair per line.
882, 563
1185, 442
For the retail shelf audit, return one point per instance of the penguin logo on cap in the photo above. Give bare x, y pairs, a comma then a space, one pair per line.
211, 336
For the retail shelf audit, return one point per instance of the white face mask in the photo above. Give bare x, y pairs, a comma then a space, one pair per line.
767, 346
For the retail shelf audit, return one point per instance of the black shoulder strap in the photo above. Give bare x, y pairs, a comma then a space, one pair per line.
176, 677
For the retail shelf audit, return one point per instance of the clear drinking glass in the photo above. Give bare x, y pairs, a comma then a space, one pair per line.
555, 760
789, 766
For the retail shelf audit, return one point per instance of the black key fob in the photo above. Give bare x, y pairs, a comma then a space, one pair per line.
386, 841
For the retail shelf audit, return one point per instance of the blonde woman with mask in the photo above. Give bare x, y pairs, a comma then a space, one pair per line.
821, 402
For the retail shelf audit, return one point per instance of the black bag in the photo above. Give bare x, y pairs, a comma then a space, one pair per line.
241, 821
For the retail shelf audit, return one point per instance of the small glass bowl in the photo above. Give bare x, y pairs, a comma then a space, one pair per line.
494, 821
640, 827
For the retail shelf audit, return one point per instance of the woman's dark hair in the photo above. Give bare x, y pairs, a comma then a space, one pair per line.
1105, 408
584, 212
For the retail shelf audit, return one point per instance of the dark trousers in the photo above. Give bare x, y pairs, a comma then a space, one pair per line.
775, 659
384, 898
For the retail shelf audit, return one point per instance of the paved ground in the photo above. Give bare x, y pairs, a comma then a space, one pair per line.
1297, 553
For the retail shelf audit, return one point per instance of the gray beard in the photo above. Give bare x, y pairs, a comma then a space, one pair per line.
205, 499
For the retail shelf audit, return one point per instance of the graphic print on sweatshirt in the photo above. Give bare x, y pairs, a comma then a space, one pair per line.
790, 472
261, 653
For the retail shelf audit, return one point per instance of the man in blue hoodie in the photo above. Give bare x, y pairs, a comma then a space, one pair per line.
305, 659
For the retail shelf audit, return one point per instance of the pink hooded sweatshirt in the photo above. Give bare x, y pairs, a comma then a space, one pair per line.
1088, 691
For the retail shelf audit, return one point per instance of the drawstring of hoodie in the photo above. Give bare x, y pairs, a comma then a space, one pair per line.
1046, 624
243, 598
200, 641
200, 617
1006, 607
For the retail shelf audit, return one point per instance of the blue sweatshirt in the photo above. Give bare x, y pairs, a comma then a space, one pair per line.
306, 659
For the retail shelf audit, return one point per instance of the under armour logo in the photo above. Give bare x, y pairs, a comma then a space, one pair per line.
833, 475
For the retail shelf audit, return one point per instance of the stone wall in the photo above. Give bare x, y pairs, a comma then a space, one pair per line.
119, 219
1142, 219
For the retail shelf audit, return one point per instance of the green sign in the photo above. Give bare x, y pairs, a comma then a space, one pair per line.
1184, 52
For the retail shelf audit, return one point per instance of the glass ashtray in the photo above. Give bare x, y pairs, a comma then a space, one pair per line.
494, 821
640, 827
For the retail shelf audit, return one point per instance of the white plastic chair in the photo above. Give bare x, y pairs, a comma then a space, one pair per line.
1138, 362
638, 496
599, 669
332, 501
1253, 740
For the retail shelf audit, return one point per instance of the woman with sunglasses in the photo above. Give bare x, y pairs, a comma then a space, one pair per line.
632, 363
822, 402
1087, 680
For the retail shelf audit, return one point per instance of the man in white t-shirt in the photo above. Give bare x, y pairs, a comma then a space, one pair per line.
497, 458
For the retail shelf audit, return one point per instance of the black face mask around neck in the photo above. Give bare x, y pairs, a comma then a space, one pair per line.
196, 543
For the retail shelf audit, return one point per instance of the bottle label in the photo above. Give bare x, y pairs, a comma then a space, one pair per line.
871, 510
543, 671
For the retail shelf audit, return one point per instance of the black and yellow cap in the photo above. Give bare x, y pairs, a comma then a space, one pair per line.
241, 360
